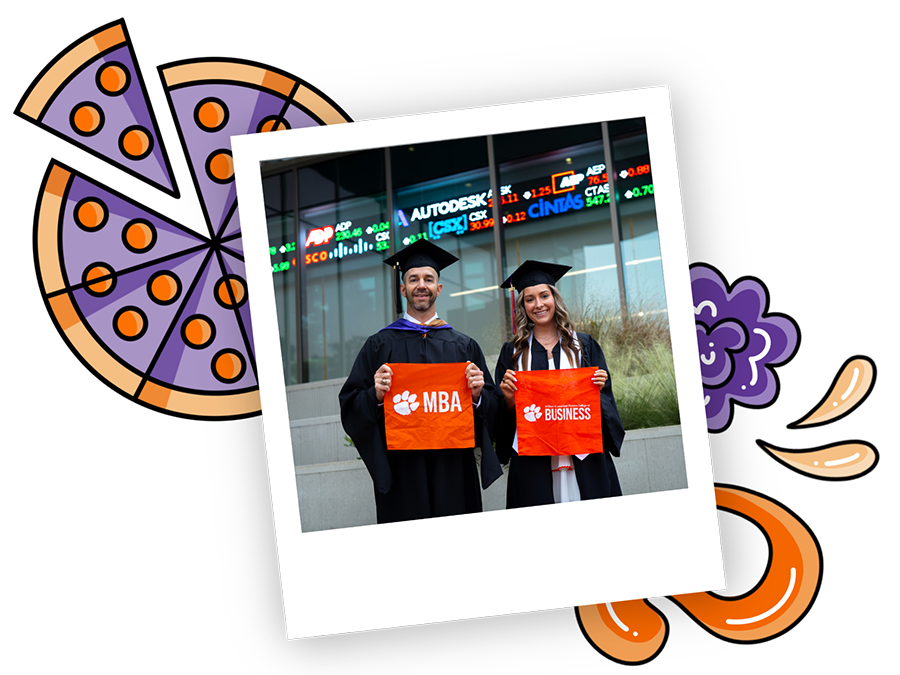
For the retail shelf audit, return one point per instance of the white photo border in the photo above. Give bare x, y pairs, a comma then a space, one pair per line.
497, 562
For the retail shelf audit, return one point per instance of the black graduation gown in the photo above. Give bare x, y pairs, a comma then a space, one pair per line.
411, 484
530, 480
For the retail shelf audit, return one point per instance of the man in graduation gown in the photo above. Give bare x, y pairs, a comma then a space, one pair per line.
411, 484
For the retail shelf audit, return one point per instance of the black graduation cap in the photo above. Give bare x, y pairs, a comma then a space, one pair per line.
421, 253
534, 272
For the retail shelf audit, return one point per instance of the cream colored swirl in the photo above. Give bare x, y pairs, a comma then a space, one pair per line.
851, 386
837, 461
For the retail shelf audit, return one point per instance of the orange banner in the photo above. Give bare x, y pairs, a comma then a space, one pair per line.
429, 407
558, 412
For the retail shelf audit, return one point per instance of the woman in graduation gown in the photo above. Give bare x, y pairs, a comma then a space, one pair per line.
546, 340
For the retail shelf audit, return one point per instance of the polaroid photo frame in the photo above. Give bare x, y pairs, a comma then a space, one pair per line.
496, 562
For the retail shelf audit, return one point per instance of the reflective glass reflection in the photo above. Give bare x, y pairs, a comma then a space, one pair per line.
644, 287
346, 286
555, 206
278, 196
449, 205
556, 209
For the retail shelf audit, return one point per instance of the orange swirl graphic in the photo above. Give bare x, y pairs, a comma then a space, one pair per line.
635, 632
630, 632
788, 587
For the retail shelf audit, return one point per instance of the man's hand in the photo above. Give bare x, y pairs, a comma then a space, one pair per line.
508, 387
475, 379
382, 382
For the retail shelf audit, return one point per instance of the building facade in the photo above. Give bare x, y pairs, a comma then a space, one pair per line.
579, 196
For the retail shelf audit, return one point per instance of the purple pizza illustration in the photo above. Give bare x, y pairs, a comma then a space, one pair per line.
155, 310
93, 95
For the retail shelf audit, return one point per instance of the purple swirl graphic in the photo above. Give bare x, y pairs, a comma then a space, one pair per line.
740, 343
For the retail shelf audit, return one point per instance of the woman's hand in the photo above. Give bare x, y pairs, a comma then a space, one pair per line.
600, 377
508, 387
382, 382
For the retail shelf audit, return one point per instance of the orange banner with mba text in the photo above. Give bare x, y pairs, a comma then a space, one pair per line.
429, 407
558, 412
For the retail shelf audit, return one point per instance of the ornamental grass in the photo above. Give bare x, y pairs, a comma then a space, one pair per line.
638, 351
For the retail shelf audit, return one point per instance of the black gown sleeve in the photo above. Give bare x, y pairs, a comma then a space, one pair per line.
613, 431
363, 417
505, 419
485, 418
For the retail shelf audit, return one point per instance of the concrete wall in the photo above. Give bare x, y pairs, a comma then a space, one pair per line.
317, 436
652, 461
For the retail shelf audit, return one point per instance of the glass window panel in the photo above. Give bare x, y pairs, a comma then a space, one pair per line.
556, 209
316, 184
424, 163
349, 175
345, 240
442, 192
278, 196
347, 285
644, 287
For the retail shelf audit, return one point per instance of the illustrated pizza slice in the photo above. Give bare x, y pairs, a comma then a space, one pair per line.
233, 266
215, 99
93, 95
205, 363
134, 295
234, 244
81, 223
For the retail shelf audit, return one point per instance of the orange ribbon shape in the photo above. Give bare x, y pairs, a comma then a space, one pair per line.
634, 632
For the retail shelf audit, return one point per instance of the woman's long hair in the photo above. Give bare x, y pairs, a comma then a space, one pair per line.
524, 328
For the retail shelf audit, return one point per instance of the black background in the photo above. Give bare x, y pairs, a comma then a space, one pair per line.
153, 531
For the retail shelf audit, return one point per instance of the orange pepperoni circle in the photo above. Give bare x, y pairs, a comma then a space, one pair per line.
135, 142
139, 236
211, 115
228, 365
86, 119
98, 271
113, 79
198, 331
130, 323
269, 125
238, 290
220, 166
91, 214
164, 288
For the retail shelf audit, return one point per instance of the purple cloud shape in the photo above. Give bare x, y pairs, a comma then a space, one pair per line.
740, 343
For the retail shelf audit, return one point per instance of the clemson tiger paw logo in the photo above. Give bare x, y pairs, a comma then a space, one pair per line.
404, 404
532, 413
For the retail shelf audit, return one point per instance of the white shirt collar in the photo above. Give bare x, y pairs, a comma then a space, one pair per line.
421, 323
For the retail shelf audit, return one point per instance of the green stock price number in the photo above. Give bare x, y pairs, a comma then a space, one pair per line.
349, 234
641, 191
281, 266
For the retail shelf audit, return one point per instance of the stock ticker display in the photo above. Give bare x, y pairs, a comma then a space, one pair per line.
556, 194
